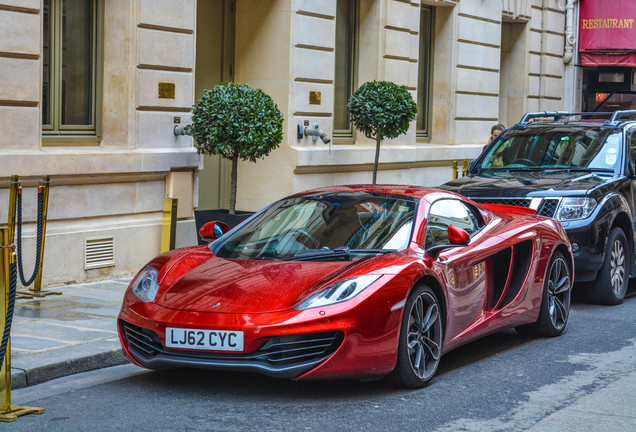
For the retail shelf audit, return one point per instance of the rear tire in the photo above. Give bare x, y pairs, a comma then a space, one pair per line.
421, 336
611, 283
555, 301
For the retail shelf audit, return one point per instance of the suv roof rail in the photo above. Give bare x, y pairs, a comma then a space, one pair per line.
556, 114
617, 115
563, 115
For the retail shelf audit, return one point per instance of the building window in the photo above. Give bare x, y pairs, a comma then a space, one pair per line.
345, 74
425, 74
69, 93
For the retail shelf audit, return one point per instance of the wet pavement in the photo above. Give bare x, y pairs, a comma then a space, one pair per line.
59, 335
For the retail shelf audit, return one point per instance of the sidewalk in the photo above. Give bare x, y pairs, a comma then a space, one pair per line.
60, 335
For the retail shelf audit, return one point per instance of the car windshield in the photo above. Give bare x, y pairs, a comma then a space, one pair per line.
582, 148
323, 226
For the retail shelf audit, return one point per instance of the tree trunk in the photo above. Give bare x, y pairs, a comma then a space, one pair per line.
233, 184
377, 157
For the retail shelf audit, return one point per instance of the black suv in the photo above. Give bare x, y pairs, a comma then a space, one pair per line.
580, 169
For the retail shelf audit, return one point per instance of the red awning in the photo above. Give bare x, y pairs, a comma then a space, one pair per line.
608, 59
607, 33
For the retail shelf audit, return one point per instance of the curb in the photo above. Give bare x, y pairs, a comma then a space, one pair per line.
46, 366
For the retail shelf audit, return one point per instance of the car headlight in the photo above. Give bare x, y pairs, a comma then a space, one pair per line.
575, 208
340, 291
145, 287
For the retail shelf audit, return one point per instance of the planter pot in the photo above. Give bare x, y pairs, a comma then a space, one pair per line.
201, 217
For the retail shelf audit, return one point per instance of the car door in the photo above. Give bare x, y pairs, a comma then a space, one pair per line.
631, 173
463, 267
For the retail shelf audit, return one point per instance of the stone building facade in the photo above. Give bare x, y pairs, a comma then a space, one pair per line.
99, 116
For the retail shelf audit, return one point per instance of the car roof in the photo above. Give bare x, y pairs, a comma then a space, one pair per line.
406, 190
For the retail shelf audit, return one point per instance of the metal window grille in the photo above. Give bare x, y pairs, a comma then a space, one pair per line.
99, 253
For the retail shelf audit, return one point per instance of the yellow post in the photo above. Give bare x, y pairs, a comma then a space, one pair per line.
454, 169
5, 371
169, 224
8, 412
44, 189
13, 199
465, 168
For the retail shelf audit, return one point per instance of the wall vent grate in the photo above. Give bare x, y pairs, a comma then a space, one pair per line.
99, 253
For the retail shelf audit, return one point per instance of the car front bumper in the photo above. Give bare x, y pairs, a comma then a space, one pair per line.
587, 241
339, 341
280, 356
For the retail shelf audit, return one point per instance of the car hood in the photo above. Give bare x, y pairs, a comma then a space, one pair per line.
202, 282
526, 183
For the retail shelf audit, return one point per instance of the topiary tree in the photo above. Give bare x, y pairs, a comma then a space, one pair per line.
381, 109
236, 121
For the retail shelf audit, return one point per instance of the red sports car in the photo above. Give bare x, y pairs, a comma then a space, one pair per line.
350, 282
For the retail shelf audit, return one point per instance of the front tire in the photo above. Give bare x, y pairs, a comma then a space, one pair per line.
555, 301
421, 335
611, 283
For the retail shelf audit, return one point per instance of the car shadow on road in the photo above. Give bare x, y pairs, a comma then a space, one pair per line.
580, 296
259, 387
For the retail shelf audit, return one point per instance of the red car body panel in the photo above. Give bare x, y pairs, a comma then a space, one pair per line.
199, 290
509, 210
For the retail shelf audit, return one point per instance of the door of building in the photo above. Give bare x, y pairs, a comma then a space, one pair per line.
214, 65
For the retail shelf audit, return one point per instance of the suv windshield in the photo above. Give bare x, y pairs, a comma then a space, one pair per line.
582, 148
324, 226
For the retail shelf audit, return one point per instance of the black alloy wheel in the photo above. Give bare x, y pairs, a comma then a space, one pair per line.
611, 283
555, 301
421, 334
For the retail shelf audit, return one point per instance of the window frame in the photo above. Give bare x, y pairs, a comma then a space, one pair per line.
425, 73
55, 133
478, 218
630, 141
348, 136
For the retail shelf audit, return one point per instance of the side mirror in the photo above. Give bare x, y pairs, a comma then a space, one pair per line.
457, 237
213, 230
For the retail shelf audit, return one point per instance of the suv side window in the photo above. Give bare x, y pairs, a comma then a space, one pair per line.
447, 212
632, 151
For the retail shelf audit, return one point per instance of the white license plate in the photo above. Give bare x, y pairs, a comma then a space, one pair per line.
211, 340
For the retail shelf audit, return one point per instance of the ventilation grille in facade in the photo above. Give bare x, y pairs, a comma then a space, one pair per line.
99, 253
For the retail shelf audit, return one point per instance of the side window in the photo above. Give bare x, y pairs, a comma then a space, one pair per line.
425, 74
632, 151
71, 60
345, 71
447, 212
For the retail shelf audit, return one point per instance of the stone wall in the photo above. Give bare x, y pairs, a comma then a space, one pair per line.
112, 188
492, 60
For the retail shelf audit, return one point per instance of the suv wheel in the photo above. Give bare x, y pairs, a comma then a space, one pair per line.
610, 285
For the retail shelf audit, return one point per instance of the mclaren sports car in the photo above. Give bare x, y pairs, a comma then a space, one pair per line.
358, 281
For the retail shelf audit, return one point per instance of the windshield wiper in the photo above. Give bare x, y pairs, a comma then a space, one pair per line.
511, 169
336, 254
547, 169
581, 169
